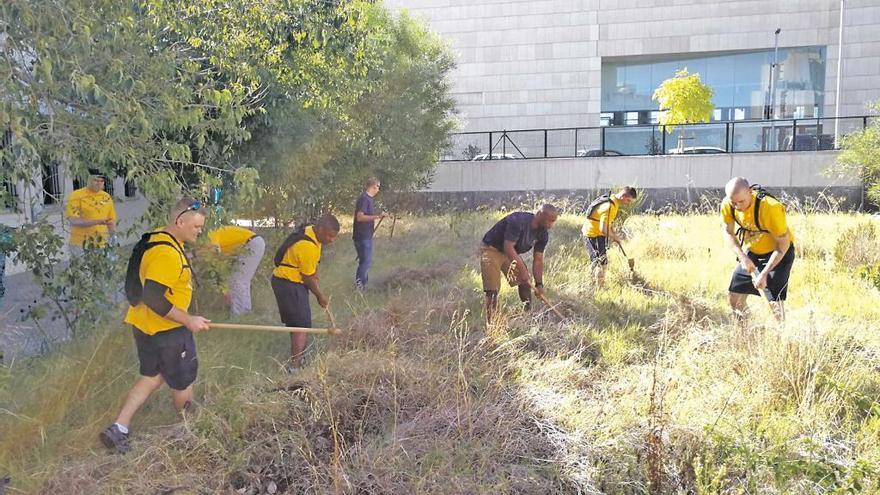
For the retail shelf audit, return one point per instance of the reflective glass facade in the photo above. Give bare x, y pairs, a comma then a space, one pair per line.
740, 80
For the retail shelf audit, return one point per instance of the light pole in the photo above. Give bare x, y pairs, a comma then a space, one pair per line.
839, 77
771, 112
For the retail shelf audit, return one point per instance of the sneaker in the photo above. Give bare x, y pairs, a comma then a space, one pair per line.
114, 439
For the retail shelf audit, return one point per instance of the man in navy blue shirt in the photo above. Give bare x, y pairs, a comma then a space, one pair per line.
515, 234
364, 225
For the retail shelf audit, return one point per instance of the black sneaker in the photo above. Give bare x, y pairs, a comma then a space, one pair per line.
114, 439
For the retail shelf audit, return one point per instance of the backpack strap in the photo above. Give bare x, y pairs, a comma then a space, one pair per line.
133, 286
289, 242
596, 203
760, 194
174, 244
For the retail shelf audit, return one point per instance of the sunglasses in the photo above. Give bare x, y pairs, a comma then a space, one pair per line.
194, 206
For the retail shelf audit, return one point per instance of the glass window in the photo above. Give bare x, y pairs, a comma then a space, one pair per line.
740, 82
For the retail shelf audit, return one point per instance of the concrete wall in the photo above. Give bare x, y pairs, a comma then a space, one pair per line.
679, 179
537, 63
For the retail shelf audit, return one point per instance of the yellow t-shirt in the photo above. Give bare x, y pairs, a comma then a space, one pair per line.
89, 205
773, 221
166, 265
605, 211
229, 238
300, 259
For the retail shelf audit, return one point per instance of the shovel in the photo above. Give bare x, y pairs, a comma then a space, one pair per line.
630, 261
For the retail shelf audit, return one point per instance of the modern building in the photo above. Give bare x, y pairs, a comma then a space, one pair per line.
594, 65
526, 64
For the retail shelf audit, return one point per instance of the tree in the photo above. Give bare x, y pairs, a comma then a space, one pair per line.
313, 159
683, 99
861, 155
286, 104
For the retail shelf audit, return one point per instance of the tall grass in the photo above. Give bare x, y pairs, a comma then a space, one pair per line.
645, 387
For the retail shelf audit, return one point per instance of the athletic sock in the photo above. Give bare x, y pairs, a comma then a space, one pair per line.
122, 429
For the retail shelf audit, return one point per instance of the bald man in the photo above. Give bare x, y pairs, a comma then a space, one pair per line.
756, 230
512, 236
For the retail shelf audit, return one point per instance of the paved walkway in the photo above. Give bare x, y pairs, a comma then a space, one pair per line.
18, 338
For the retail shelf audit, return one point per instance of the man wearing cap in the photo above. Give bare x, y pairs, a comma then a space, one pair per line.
91, 214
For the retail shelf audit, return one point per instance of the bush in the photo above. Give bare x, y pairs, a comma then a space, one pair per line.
858, 246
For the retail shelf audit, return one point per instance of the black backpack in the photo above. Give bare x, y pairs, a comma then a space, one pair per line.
741, 229
294, 237
134, 290
591, 208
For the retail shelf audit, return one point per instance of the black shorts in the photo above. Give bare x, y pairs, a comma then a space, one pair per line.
598, 249
293, 303
171, 353
777, 281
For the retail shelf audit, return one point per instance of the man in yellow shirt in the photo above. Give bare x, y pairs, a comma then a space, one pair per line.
91, 214
598, 229
295, 274
162, 328
762, 242
248, 249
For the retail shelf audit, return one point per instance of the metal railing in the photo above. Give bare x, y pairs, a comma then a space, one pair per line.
741, 136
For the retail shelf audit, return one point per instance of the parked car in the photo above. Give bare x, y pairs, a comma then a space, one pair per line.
495, 156
598, 152
697, 150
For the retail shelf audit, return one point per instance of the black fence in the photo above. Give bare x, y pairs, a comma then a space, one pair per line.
743, 136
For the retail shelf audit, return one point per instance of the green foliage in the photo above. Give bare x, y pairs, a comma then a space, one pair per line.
285, 104
82, 294
96, 84
870, 273
861, 155
212, 271
395, 128
327, 93
683, 99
